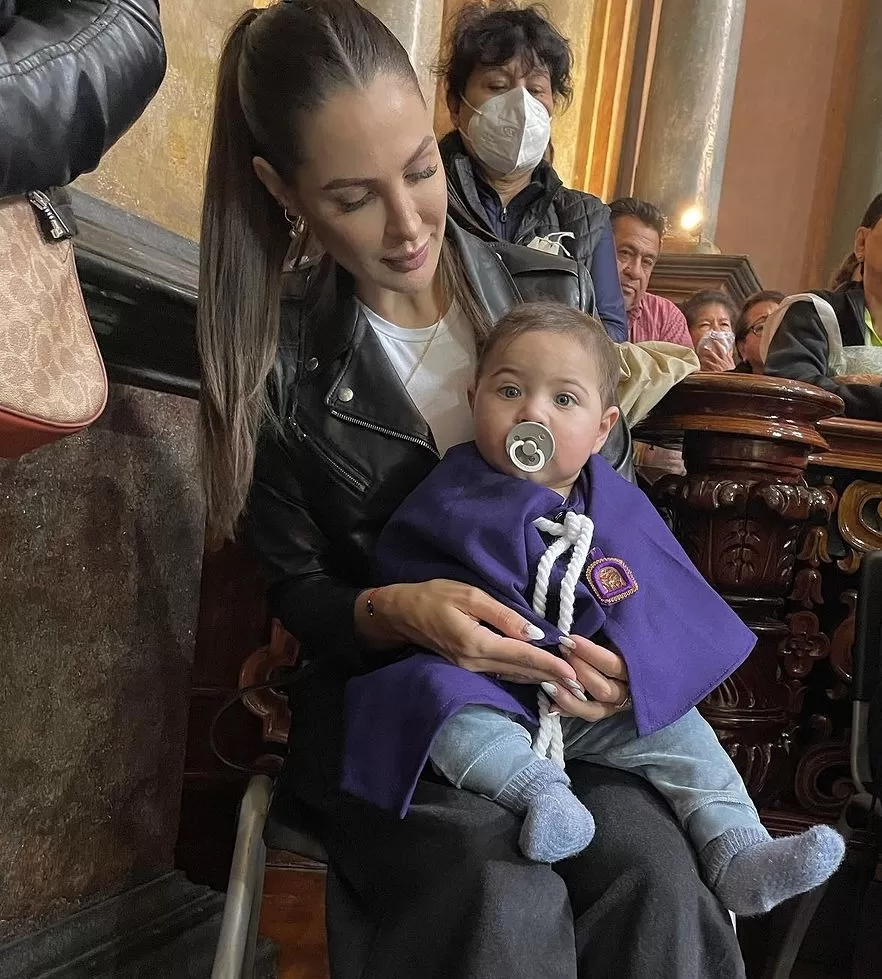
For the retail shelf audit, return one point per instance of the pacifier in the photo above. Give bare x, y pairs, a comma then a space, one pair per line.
530, 446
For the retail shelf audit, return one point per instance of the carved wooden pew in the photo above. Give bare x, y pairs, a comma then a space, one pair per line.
779, 502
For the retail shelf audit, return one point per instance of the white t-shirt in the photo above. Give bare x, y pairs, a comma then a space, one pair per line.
436, 364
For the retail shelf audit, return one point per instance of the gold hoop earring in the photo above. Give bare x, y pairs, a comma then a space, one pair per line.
296, 225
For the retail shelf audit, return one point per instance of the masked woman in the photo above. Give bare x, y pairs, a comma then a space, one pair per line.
506, 73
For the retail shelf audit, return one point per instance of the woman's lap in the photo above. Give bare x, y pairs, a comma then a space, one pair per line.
639, 904
446, 893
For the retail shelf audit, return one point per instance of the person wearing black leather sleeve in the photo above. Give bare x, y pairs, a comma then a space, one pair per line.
316, 423
74, 76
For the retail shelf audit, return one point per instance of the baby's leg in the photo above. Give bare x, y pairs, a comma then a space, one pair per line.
487, 752
748, 870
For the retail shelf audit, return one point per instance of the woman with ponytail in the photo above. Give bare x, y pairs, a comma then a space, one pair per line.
326, 398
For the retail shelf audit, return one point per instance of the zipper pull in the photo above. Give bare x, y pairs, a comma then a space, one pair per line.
503, 217
51, 223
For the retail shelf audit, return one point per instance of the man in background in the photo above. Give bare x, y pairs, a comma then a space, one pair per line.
638, 229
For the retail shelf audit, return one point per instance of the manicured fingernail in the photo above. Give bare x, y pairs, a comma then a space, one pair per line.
567, 642
549, 688
564, 652
554, 713
533, 632
579, 695
574, 686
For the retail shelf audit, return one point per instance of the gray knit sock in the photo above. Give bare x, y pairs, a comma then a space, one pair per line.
751, 873
556, 824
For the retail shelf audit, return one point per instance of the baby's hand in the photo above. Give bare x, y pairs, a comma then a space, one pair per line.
603, 674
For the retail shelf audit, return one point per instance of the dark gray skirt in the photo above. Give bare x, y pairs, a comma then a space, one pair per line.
445, 894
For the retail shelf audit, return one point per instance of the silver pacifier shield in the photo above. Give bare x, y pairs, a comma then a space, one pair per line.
530, 446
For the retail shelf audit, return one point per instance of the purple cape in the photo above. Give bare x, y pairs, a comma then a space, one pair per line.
468, 522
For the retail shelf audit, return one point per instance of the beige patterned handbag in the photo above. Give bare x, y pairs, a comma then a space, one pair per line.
52, 379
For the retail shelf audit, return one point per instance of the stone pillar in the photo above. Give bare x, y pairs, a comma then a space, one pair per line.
418, 27
861, 176
683, 148
573, 18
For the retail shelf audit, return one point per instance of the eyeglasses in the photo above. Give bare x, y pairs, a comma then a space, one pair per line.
759, 326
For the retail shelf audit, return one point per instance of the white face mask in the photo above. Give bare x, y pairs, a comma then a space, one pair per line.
510, 132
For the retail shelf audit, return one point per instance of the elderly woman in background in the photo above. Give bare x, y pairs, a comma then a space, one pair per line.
834, 339
709, 316
749, 328
507, 71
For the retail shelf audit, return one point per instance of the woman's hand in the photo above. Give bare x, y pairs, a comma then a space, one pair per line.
604, 676
714, 359
448, 618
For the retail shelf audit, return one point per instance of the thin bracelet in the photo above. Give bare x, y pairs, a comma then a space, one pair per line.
369, 603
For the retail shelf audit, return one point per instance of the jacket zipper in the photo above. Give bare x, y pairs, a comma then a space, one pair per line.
328, 459
385, 431
51, 222
503, 214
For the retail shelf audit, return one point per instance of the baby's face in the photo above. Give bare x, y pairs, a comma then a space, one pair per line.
549, 379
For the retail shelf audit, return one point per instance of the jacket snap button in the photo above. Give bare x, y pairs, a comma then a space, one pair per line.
346, 394
312, 363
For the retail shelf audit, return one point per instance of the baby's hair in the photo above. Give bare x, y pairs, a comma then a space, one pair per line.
552, 317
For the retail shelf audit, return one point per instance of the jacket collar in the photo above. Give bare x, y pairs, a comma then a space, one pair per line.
462, 185
338, 333
856, 304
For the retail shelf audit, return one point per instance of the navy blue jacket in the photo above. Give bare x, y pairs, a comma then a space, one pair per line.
544, 207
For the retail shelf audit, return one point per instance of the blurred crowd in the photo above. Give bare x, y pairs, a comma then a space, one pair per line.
502, 184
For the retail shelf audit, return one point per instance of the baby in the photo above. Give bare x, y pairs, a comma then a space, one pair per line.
532, 514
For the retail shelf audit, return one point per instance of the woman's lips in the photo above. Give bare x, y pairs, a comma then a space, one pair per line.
409, 263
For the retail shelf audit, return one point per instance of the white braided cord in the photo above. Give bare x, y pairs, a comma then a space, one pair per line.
576, 532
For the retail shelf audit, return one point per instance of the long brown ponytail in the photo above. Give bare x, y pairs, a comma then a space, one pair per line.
278, 65
242, 249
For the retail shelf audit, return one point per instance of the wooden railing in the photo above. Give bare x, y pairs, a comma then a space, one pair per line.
779, 502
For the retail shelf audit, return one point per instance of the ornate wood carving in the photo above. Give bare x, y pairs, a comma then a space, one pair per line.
678, 275
756, 528
861, 529
814, 552
842, 640
823, 781
777, 508
804, 645
742, 534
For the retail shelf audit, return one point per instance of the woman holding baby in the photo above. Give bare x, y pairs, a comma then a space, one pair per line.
325, 402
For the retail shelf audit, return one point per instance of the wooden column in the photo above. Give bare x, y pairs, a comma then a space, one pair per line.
740, 513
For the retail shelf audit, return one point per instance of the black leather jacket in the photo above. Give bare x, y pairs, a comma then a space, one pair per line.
74, 75
352, 445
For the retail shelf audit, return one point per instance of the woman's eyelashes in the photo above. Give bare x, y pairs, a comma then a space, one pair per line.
347, 206
422, 174
412, 178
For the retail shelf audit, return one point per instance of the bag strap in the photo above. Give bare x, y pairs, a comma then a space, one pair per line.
827, 316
